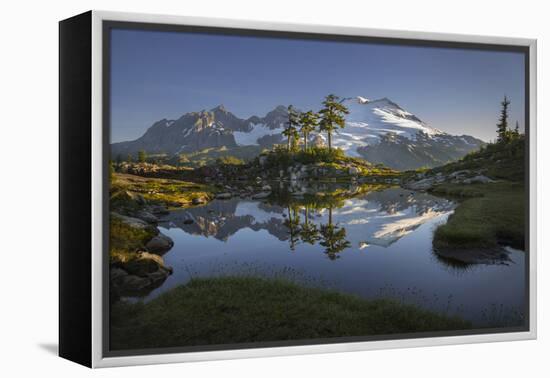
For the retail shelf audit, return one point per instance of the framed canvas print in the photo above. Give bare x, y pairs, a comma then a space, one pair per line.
234, 189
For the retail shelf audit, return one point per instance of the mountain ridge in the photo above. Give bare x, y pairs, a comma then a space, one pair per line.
378, 130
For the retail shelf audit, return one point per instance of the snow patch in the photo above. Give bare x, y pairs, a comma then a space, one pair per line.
251, 137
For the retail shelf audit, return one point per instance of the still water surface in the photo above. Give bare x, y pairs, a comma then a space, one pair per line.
374, 245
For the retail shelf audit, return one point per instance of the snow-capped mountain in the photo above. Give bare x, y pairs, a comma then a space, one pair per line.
369, 121
379, 130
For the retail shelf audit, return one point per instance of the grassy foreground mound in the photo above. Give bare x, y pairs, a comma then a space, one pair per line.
488, 215
157, 190
246, 309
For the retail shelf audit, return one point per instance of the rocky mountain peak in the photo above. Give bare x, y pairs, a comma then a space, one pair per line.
378, 130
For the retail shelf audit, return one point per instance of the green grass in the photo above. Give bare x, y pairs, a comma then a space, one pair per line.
125, 241
500, 161
246, 309
157, 190
488, 215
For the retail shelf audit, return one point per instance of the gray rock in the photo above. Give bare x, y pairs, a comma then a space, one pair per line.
132, 222
223, 195
266, 188
459, 174
131, 284
198, 200
262, 160
140, 199
147, 217
160, 244
144, 264
478, 180
420, 175
423, 184
159, 210
261, 195
354, 171
117, 275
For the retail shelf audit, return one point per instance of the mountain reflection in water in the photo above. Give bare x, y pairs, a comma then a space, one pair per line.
381, 217
372, 243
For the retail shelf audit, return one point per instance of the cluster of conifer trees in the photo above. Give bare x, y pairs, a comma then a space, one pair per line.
504, 133
328, 119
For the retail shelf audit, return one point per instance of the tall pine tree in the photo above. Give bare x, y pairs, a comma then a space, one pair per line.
142, 156
332, 116
502, 125
291, 130
308, 123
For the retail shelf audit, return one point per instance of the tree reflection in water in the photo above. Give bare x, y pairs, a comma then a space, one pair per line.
293, 225
309, 233
331, 236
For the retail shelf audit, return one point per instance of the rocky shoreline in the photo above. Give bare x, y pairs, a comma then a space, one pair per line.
428, 180
143, 270
464, 184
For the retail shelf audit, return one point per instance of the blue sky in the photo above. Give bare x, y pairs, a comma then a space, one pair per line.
157, 75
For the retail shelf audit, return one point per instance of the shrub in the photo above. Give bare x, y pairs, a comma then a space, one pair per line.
229, 160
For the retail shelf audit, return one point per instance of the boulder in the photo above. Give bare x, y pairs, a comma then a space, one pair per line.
159, 210
131, 284
423, 184
261, 195
225, 195
353, 171
117, 275
143, 264
198, 200
480, 179
160, 244
266, 188
262, 160
459, 174
124, 283
132, 222
140, 199
147, 217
